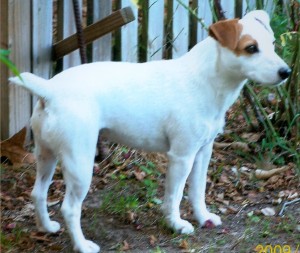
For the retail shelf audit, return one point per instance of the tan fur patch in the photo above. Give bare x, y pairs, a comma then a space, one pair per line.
245, 40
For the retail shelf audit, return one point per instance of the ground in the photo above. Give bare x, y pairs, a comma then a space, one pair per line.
122, 213
122, 210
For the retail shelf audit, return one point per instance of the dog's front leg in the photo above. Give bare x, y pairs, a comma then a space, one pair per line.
77, 174
178, 171
197, 186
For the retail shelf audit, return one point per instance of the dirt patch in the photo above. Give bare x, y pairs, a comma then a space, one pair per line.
122, 210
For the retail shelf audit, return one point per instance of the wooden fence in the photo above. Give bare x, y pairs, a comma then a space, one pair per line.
161, 29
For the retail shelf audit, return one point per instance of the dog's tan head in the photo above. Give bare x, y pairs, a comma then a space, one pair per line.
249, 48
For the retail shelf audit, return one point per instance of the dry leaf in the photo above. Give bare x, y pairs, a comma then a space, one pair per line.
139, 175
268, 211
39, 236
13, 149
265, 174
131, 216
125, 246
153, 240
235, 145
183, 244
251, 137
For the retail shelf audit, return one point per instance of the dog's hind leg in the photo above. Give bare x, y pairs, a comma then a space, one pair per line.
46, 163
177, 174
197, 186
77, 170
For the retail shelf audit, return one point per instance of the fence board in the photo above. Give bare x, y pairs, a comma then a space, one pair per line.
129, 35
41, 38
204, 12
269, 7
66, 27
180, 28
4, 91
155, 30
248, 5
19, 37
102, 47
228, 8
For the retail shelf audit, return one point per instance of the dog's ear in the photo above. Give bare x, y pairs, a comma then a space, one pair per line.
226, 32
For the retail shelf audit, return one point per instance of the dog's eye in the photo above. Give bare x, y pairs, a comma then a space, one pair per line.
252, 49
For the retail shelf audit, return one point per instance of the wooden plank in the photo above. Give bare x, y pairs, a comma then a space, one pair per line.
204, 12
155, 30
92, 32
180, 29
102, 47
19, 37
4, 103
42, 39
129, 35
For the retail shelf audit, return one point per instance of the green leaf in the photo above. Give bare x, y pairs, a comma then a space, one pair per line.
3, 58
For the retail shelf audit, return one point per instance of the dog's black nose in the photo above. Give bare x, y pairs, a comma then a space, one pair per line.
284, 73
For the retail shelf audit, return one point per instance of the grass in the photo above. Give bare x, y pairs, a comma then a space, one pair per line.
131, 194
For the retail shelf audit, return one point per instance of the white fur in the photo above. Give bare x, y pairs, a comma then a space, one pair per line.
174, 106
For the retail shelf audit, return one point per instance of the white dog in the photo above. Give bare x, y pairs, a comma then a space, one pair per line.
173, 106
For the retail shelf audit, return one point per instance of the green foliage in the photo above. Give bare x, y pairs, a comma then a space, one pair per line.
280, 121
132, 195
4, 59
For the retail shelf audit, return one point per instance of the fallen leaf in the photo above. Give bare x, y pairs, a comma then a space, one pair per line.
153, 240
11, 226
223, 210
251, 137
293, 196
235, 145
13, 149
268, 211
139, 175
125, 246
183, 244
265, 174
39, 237
53, 203
131, 216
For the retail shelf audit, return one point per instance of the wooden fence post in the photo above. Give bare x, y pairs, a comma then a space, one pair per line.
16, 104
66, 27
42, 12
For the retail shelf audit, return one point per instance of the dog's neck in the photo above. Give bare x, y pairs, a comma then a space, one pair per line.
227, 83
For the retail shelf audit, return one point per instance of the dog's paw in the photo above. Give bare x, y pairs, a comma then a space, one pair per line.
87, 247
181, 226
210, 220
50, 227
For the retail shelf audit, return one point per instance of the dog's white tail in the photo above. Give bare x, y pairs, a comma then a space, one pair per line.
34, 84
